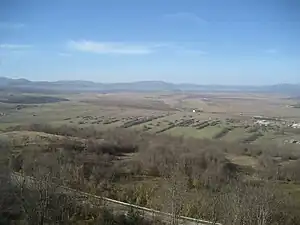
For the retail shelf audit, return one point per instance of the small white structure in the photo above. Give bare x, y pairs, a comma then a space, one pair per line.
296, 125
262, 122
194, 110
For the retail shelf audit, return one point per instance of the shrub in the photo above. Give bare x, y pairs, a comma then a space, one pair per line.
252, 137
222, 133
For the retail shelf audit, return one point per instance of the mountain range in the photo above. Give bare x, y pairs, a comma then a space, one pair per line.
24, 85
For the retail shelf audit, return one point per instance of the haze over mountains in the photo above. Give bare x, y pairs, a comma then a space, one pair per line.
141, 86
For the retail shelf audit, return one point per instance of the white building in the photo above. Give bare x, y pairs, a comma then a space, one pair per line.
262, 122
296, 125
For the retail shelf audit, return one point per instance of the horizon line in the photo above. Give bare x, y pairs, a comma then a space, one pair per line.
158, 81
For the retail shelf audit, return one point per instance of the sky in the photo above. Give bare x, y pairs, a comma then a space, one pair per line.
230, 42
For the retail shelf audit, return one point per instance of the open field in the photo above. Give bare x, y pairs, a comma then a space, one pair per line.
129, 139
156, 112
226, 117
204, 133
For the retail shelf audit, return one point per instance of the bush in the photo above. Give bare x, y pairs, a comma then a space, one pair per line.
222, 133
206, 183
252, 137
253, 129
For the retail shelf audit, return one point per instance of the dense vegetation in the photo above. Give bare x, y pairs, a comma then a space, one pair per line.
222, 132
194, 176
139, 121
43, 204
296, 106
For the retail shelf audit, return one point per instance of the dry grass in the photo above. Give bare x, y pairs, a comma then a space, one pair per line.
208, 163
21, 139
243, 160
204, 133
235, 135
98, 110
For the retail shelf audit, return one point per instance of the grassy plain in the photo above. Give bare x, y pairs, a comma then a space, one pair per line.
193, 115
105, 111
162, 113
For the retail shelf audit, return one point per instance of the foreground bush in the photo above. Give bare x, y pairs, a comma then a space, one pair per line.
193, 176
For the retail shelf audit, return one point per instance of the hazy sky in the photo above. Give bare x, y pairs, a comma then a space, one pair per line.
192, 41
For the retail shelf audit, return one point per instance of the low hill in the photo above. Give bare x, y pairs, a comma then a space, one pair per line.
141, 86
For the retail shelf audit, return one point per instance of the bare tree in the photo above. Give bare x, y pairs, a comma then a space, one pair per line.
9, 204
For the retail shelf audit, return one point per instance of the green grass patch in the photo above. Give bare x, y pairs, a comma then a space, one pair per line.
222, 132
270, 137
292, 189
207, 132
235, 135
253, 137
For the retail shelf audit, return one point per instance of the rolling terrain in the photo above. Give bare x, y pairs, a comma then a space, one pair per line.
135, 147
23, 85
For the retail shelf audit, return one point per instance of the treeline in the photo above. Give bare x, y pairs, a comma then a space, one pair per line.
202, 125
140, 121
185, 123
222, 133
254, 136
30, 99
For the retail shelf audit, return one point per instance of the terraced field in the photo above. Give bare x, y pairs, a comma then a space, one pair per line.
154, 113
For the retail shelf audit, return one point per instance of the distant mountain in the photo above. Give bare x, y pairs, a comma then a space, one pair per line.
285, 88
23, 85
7, 81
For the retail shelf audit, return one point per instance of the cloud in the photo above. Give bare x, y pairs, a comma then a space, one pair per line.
8, 25
271, 51
14, 46
186, 16
125, 48
119, 48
